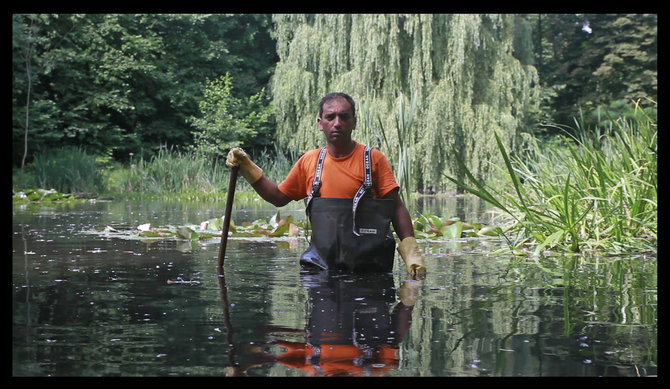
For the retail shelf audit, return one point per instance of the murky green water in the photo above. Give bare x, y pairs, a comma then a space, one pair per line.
88, 305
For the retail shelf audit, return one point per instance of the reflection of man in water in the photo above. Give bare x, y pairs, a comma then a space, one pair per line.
353, 327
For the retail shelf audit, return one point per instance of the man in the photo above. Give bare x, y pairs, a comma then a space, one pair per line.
351, 197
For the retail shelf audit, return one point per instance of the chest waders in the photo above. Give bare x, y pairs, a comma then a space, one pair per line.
351, 235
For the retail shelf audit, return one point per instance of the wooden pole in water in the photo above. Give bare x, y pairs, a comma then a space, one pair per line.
229, 209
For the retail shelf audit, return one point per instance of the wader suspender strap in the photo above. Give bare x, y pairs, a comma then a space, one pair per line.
316, 184
365, 189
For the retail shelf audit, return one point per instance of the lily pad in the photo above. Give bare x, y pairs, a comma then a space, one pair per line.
186, 233
429, 227
453, 230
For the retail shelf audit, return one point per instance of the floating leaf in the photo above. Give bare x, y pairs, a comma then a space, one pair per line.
156, 234
215, 224
426, 226
187, 233
293, 230
453, 230
489, 231
471, 226
418, 224
279, 231
274, 220
433, 220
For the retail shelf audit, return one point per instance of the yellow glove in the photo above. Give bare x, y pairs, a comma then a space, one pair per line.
409, 251
249, 170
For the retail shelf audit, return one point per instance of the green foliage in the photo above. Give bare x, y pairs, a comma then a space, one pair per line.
118, 84
228, 122
588, 61
459, 70
399, 155
174, 172
121, 83
429, 226
275, 227
426, 226
67, 170
41, 196
599, 191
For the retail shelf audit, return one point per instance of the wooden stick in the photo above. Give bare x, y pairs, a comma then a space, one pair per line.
229, 209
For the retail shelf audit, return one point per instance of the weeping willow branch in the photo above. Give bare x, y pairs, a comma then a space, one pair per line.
459, 70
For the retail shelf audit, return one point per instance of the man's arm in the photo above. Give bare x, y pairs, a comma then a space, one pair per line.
270, 192
267, 189
402, 221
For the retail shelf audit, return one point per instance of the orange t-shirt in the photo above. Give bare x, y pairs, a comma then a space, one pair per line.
340, 177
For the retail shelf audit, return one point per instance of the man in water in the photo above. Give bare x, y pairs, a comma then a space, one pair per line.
351, 198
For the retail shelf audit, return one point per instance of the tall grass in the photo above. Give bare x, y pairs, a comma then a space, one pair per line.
400, 156
171, 173
67, 170
596, 191
276, 163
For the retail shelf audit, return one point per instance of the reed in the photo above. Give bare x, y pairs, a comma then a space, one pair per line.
404, 122
597, 191
398, 151
276, 163
171, 172
68, 170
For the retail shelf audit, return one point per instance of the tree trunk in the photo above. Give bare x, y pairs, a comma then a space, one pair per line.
25, 134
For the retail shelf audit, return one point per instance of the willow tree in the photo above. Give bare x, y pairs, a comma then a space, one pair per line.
459, 73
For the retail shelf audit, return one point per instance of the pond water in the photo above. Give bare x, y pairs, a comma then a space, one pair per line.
86, 304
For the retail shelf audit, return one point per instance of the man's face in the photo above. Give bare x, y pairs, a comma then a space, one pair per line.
337, 121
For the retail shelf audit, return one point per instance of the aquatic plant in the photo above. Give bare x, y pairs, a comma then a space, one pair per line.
41, 196
429, 226
426, 226
68, 170
598, 191
170, 172
274, 227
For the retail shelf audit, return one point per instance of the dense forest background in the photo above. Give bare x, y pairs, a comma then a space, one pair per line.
428, 86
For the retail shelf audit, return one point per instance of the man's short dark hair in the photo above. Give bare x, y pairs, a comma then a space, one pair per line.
334, 95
